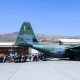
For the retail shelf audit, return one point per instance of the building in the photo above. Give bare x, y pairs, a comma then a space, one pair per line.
8, 47
69, 41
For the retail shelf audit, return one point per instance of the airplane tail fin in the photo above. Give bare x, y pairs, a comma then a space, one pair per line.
26, 35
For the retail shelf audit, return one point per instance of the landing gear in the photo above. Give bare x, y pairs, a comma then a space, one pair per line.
44, 57
76, 58
73, 58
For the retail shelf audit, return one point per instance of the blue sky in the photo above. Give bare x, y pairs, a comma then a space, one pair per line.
46, 16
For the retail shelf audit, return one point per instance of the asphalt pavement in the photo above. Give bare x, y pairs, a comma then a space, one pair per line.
41, 70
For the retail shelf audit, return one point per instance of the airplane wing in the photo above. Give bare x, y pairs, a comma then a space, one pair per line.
74, 47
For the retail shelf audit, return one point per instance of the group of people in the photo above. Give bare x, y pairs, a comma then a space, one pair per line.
5, 59
19, 58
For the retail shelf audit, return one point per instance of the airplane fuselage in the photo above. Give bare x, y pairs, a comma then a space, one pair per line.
57, 51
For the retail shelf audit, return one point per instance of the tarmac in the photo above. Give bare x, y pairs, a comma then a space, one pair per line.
41, 70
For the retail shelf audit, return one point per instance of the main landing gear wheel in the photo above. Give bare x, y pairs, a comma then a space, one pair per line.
76, 58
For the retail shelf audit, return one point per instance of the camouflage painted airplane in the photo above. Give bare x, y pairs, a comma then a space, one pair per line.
27, 37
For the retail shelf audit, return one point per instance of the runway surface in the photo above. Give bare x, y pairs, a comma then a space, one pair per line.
47, 70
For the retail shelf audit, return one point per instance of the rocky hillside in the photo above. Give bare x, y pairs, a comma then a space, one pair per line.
10, 37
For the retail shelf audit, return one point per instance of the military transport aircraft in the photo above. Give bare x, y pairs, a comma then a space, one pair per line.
27, 37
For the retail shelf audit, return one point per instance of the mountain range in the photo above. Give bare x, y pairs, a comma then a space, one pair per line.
11, 37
